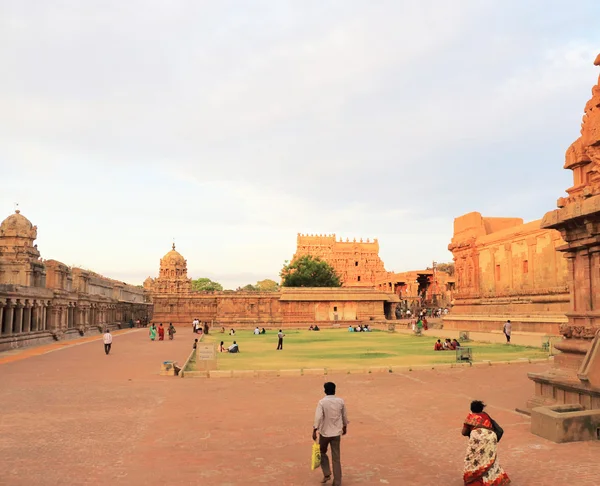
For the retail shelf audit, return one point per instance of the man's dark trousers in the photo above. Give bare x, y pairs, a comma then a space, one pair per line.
335, 458
280, 344
107, 348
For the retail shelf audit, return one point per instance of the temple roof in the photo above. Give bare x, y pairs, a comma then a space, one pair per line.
18, 225
173, 257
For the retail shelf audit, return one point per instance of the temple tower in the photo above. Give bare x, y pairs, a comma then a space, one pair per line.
172, 276
20, 262
575, 377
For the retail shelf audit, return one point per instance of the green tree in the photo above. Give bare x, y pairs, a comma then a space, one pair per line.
248, 288
308, 271
446, 267
205, 284
267, 285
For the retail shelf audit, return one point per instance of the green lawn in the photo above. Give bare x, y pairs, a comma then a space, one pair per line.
337, 348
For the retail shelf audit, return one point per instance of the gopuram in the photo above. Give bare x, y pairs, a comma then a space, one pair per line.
175, 302
575, 378
42, 300
506, 269
356, 262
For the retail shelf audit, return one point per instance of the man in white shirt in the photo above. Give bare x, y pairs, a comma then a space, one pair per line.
280, 337
331, 422
107, 338
256, 331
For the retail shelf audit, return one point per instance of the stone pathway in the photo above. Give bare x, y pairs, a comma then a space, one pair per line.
77, 416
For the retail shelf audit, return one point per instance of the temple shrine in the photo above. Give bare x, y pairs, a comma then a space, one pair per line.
356, 262
43, 300
574, 382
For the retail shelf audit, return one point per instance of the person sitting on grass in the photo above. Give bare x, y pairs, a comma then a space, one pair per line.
263, 331
232, 332
195, 344
456, 343
447, 345
451, 345
256, 331
316, 328
366, 328
311, 328
234, 348
221, 347
358, 328
438, 346
350, 329
222, 330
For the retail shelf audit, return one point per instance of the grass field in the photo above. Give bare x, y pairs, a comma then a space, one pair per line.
337, 348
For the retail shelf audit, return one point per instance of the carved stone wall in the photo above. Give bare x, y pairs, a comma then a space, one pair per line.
506, 269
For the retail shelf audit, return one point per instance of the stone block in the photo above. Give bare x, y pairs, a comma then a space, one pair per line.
313, 371
357, 371
244, 374
565, 423
400, 369
194, 374
337, 371
296, 372
267, 373
379, 369
220, 374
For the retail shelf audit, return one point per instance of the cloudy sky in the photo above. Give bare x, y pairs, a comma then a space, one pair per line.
233, 125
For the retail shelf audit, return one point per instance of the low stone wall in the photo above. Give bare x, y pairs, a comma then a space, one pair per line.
486, 323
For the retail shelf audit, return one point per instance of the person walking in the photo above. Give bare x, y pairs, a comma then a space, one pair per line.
507, 330
280, 337
171, 331
331, 421
107, 338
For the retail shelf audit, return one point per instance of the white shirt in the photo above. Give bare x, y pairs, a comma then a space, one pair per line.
330, 416
256, 331
107, 338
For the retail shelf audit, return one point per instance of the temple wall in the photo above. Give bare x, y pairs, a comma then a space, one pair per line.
507, 270
288, 308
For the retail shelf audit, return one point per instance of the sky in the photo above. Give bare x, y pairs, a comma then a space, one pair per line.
232, 126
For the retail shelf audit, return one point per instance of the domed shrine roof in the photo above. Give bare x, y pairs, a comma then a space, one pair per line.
18, 225
173, 257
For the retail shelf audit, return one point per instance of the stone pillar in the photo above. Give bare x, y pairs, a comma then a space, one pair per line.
27, 317
69, 316
44, 320
18, 325
8, 318
34, 317
1, 316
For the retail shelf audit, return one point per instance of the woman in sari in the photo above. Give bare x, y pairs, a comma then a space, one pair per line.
161, 332
152, 332
481, 464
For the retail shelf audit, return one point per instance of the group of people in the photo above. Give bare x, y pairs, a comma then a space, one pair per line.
160, 330
234, 348
359, 328
447, 345
481, 463
314, 328
258, 331
198, 327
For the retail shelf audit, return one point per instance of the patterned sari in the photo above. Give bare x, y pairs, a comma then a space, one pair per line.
481, 465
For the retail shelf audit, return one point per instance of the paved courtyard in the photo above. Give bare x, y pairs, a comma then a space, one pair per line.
76, 416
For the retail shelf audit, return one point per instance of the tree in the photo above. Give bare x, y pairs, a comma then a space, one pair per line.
248, 288
267, 285
307, 271
205, 284
446, 267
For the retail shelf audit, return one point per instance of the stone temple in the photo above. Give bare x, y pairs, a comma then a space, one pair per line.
43, 300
